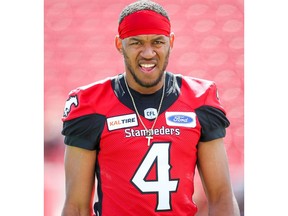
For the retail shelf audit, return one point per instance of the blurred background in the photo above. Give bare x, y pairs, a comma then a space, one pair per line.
79, 49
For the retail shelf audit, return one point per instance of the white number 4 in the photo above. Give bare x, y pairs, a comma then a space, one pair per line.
163, 185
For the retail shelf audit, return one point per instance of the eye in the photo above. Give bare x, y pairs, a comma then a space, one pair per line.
158, 42
135, 43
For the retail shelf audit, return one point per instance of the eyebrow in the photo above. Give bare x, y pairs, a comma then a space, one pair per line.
161, 37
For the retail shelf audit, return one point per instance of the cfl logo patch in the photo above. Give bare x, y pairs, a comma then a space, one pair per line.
71, 100
150, 113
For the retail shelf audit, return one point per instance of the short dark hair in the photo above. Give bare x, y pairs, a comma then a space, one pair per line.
142, 5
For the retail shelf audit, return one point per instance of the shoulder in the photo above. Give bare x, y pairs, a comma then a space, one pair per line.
91, 88
81, 100
195, 87
196, 84
200, 92
191, 83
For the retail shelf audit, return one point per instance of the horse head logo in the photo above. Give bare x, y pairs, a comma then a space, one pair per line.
71, 100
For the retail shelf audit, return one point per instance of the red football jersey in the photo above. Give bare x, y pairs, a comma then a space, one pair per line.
135, 178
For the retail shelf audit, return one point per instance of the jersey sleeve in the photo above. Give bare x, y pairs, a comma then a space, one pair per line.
84, 132
213, 123
82, 124
78, 104
212, 116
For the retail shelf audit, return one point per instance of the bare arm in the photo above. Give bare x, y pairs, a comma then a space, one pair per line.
214, 172
79, 180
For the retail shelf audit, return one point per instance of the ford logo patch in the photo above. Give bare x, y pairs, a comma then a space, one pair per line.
180, 119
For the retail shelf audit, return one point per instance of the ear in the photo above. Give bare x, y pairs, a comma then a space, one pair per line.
172, 37
118, 44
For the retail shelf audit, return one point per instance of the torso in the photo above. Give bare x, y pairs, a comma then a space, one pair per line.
137, 179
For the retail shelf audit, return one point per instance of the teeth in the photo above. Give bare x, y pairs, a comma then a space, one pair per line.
147, 65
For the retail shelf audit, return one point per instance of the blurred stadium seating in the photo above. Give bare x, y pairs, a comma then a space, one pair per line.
79, 49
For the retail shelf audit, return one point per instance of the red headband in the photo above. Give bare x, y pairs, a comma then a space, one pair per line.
144, 22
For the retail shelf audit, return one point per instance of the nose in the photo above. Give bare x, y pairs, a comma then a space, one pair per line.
148, 52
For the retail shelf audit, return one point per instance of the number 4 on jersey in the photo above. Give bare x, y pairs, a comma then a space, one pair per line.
163, 185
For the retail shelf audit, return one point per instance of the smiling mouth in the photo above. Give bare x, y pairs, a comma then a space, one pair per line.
147, 67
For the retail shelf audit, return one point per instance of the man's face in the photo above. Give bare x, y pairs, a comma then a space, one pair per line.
146, 58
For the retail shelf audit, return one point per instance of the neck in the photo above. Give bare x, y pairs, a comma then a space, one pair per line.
143, 89
149, 132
